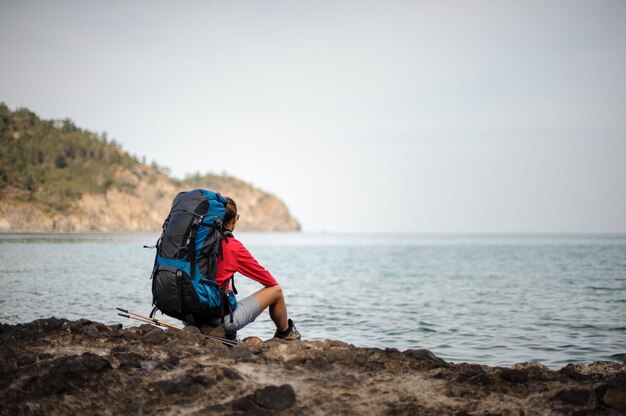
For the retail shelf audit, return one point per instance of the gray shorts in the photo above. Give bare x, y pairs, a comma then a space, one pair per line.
247, 311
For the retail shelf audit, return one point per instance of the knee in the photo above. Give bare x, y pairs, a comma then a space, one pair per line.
269, 296
277, 292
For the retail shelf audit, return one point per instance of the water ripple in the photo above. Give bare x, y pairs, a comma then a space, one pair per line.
488, 299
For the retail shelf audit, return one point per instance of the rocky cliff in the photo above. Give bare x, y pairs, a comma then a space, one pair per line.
58, 367
144, 208
55, 176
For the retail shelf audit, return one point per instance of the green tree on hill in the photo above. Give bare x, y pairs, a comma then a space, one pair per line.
53, 162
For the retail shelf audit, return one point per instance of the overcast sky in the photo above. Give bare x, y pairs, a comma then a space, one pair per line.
412, 116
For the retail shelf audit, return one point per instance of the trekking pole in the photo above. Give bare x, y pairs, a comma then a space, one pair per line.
147, 321
139, 319
153, 321
156, 321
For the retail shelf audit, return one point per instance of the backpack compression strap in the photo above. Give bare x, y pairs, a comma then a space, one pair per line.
225, 298
191, 247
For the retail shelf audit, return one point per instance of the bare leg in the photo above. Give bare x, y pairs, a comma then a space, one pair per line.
273, 297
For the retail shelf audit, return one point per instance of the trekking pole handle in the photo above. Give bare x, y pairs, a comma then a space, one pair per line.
156, 322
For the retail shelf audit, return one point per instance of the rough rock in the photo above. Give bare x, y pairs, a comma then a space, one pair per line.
267, 400
143, 205
54, 366
615, 394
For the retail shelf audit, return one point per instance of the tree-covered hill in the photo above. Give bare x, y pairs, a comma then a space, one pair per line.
55, 176
52, 163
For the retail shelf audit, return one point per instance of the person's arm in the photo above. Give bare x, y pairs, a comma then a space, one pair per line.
249, 267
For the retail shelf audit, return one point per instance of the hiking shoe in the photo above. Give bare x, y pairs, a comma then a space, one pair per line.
232, 336
290, 334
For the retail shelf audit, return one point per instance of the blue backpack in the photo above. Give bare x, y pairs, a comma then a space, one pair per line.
183, 277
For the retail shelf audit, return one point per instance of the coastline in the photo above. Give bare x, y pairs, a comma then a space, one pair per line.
487, 301
56, 366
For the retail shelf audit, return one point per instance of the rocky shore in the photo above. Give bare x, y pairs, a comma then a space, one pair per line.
54, 366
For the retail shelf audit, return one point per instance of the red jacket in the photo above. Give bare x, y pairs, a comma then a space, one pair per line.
237, 258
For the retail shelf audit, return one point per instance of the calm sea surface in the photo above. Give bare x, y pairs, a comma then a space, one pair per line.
489, 299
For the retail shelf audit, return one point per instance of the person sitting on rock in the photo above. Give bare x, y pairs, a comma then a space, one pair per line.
236, 258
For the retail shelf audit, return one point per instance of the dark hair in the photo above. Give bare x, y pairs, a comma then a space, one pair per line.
231, 210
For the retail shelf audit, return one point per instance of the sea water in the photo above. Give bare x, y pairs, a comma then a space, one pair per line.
492, 299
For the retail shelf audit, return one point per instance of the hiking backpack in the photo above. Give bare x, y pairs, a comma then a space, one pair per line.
185, 266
